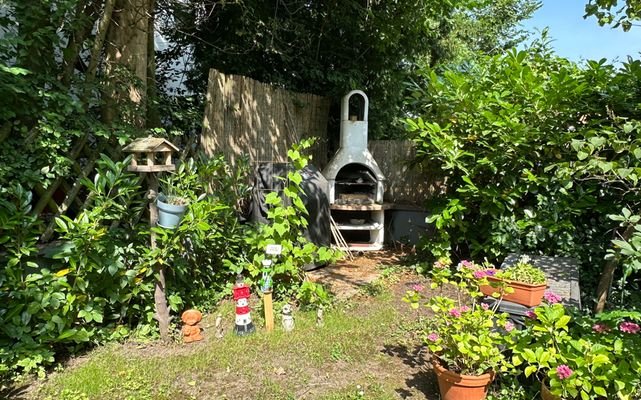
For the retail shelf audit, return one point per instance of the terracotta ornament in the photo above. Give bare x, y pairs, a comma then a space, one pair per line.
191, 330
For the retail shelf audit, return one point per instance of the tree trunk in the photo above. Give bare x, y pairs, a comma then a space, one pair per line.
84, 18
607, 274
126, 63
101, 34
153, 116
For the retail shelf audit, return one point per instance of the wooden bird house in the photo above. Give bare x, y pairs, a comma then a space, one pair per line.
151, 154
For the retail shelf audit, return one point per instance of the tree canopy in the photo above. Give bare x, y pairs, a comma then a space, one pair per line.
331, 47
616, 13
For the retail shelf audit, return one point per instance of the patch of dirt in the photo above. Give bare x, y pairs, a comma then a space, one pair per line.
346, 278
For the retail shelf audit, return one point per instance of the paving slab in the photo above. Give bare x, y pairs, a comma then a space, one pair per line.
562, 274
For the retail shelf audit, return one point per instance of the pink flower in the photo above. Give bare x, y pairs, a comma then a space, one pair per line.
600, 328
479, 274
551, 297
432, 337
438, 264
417, 287
530, 314
455, 312
629, 327
563, 371
466, 264
485, 306
509, 326
465, 309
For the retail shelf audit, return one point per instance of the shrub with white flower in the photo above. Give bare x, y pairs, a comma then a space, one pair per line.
464, 335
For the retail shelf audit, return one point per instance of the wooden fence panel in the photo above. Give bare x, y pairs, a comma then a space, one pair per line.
406, 183
244, 116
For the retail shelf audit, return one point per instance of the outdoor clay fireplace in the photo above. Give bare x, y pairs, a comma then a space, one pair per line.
356, 183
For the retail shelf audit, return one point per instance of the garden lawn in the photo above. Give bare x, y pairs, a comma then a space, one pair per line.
365, 349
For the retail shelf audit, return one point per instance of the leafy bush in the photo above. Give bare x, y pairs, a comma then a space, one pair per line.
589, 358
536, 153
286, 227
97, 283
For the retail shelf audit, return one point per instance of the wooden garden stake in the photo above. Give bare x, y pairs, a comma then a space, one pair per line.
144, 160
268, 305
269, 311
273, 250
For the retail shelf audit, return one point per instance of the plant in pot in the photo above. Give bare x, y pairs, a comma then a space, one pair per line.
465, 336
526, 283
176, 192
581, 358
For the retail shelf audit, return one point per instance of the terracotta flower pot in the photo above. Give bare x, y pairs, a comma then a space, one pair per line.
455, 386
527, 295
546, 394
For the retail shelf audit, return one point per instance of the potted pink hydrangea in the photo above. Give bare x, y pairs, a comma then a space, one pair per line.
581, 358
465, 337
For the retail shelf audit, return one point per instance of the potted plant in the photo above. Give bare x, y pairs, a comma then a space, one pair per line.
465, 336
176, 191
581, 358
527, 283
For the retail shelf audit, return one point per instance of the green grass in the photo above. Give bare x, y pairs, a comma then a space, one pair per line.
328, 362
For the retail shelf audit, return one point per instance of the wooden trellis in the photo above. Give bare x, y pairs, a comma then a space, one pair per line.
66, 195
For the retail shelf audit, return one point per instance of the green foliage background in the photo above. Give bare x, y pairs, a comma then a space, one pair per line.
537, 153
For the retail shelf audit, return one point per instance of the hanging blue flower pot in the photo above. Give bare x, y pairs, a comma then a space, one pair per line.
169, 213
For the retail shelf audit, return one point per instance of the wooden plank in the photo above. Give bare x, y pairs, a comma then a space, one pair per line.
151, 168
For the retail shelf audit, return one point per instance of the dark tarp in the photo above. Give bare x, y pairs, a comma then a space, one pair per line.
270, 177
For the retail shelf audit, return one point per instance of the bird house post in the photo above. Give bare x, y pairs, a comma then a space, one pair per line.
150, 156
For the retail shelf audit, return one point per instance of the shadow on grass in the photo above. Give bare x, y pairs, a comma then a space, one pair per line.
423, 379
14, 392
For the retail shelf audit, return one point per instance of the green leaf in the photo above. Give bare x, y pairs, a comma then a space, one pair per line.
295, 177
529, 370
112, 269
600, 391
66, 334
562, 322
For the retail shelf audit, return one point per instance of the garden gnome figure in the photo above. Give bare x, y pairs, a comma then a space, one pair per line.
319, 316
191, 330
288, 318
244, 324
219, 326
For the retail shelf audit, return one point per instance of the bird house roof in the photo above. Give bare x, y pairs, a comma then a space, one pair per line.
150, 144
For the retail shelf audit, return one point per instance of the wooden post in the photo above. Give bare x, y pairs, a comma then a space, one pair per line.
269, 311
160, 298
